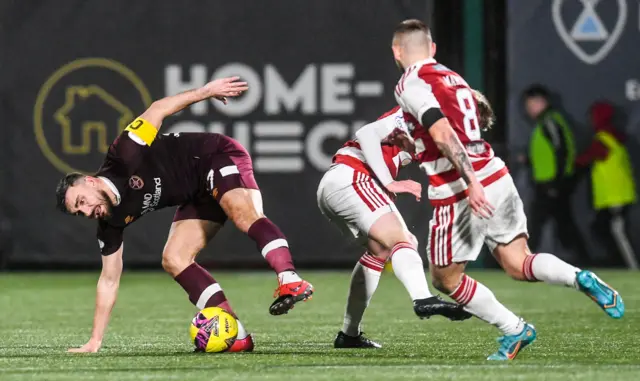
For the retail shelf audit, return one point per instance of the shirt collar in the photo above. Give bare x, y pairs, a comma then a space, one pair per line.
422, 62
112, 187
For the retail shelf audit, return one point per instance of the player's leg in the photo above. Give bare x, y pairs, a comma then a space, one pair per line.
456, 237
376, 215
364, 282
187, 237
336, 201
360, 208
507, 239
389, 239
237, 192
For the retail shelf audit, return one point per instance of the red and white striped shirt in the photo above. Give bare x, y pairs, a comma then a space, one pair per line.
351, 155
427, 85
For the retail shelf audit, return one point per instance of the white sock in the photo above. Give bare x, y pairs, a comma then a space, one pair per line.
242, 333
364, 281
549, 269
408, 267
478, 300
288, 277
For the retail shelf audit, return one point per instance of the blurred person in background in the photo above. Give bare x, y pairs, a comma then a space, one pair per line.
612, 184
552, 158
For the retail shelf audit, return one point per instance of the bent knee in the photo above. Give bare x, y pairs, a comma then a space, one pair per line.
173, 266
175, 261
399, 237
243, 207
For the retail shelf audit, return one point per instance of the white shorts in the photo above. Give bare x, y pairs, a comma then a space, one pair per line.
353, 201
456, 235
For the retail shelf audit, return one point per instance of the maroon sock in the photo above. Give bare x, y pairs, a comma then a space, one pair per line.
203, 290
272, 244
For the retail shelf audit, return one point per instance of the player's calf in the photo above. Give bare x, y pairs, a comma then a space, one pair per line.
204, 291
244, 208
388, 237
517, 261
364, 282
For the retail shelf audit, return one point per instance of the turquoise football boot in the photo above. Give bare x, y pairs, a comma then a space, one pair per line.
604, 295
511, 345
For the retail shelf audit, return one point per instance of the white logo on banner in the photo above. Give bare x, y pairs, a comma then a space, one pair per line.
266, 120
589, 27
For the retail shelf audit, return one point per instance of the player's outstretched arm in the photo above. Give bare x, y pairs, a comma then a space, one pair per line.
369, 137
447, 141
107, 292
219, 89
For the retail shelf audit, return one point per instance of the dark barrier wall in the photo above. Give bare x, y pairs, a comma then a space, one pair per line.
583, 51
74, 73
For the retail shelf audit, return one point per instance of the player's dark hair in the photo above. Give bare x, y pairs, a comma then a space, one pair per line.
487, 116
412, 25
535, 91
69, 180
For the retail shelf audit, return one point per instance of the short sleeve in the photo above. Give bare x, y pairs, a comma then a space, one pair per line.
417, 97
128, 152
109, 238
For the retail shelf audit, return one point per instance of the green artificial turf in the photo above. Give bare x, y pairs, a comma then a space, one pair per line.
41, 315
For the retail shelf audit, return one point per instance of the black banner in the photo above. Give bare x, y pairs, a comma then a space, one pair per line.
74, 73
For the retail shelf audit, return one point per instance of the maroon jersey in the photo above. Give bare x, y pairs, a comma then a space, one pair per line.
176, 169
427, 86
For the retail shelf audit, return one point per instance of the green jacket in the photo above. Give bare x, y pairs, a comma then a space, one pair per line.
551, 149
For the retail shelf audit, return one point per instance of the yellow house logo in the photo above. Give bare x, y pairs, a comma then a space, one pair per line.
81, 109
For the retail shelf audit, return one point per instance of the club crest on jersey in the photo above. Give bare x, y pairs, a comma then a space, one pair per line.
129, 219
135, 182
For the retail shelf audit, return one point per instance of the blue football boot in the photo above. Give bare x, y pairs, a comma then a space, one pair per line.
604, 295
511, 345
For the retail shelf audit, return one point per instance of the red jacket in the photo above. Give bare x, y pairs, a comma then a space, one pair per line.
601, 114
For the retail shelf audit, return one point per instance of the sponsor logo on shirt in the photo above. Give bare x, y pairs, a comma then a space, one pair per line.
151, 200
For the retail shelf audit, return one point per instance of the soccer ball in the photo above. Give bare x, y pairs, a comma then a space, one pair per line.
213, 330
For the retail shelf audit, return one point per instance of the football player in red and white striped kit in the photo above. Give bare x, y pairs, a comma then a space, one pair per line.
361, 204
475, 199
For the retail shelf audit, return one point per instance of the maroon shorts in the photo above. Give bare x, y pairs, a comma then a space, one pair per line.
223, 172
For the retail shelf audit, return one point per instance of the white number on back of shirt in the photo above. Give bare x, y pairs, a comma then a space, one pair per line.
468, 108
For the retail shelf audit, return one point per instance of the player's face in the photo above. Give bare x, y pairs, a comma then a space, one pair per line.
87, 199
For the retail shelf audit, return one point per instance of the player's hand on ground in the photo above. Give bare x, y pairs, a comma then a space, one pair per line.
222, 88
478, 201
89, 347
406, 186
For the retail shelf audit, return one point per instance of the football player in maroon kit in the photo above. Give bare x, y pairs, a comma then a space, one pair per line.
209, 177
